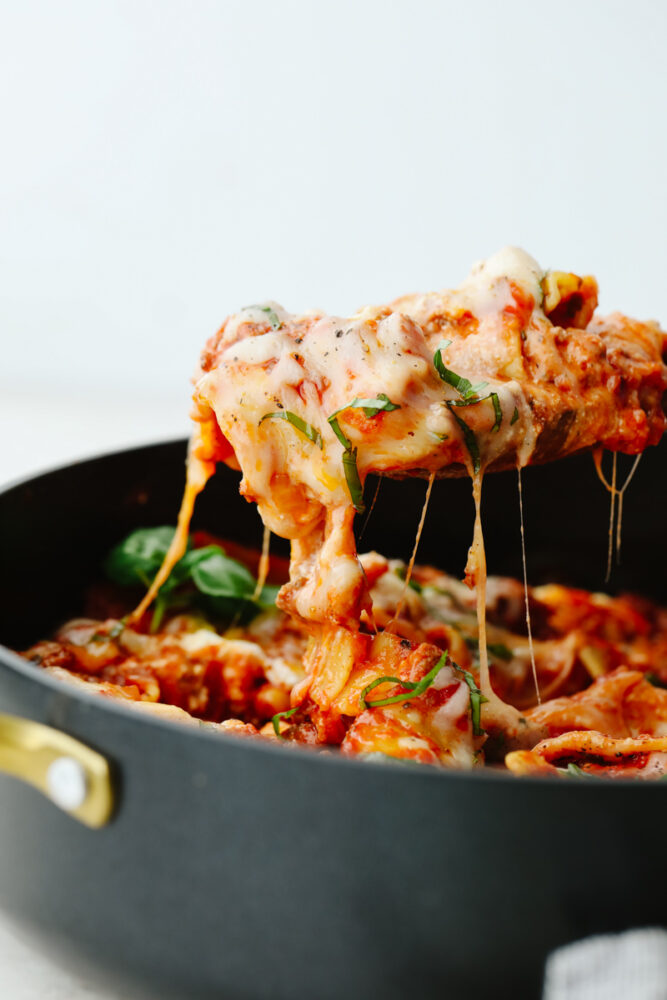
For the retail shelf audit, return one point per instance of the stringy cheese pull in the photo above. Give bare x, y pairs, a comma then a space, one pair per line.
511, 386
506, 370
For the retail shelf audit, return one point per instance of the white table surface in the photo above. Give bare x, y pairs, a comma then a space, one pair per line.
38, 432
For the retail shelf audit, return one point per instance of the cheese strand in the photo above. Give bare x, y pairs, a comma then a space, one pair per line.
370, 509
612, 511
615, 492
531, 648
198, 473
263, 568
408, 572
619, 515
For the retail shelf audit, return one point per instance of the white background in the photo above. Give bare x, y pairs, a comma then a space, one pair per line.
164, 163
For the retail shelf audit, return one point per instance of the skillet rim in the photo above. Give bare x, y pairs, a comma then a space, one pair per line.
15, 663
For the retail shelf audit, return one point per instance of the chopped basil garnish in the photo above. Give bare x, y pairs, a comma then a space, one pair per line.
204, 578
414, 690
515, 415
497, 649
113, 632
371, 408
272, 316
655, 680
353, 481
497, 409
469, 394
282, 715
306, 429
470, 441
472, 401
500, 650
463, 386
335, 427
401, 573
574, 771
349, 466
477, 699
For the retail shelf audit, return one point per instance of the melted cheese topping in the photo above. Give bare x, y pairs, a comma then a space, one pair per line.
557, 390
282, 398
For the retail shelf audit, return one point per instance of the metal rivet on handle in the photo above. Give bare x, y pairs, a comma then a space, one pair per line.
66, 783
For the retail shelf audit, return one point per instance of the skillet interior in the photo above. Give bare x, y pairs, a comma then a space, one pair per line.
237, 870
55, 529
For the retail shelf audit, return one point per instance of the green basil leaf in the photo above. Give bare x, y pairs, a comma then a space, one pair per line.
352, 479
138, 557
162, 602
497, 409
273, 317
500, 651
414, 690
385, 701
335, 427
401, 573
219, 576
371, 407
473, 401
497, 649
574, 771
349, 466
463, 386
275, 720
204, 577
306, 429
477, 699
469, 439
268, 594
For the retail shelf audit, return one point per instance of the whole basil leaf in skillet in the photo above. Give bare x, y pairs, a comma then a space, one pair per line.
203, 578
136, 560
215, 574
226, 587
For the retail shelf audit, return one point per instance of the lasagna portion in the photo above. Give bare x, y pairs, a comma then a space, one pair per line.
512, 368
412, 694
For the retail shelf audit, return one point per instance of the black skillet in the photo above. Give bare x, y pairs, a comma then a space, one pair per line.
240, 869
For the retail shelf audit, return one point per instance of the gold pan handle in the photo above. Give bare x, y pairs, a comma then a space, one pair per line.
70, 774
